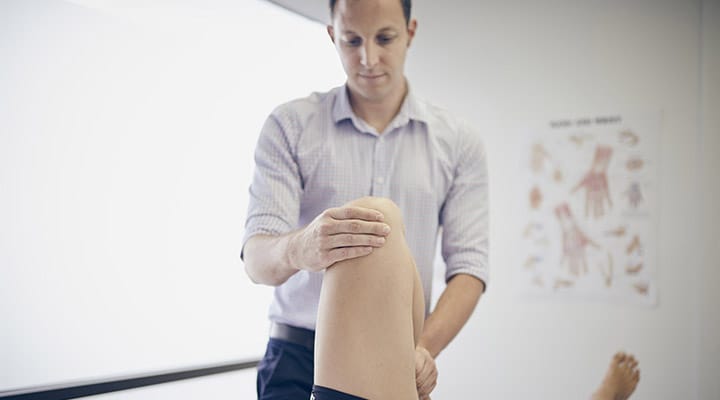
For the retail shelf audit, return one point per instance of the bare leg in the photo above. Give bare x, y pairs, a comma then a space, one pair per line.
620, 380
369, 318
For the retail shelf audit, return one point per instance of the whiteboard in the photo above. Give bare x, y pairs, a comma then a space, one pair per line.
126, 139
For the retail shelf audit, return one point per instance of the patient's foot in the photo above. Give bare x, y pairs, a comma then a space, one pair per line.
620, 380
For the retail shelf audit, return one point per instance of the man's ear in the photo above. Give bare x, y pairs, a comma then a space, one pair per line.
331, 33
412, 27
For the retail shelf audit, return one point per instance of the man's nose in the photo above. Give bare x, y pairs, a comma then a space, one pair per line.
369, 56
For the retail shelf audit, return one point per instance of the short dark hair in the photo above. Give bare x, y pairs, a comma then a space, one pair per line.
406, 6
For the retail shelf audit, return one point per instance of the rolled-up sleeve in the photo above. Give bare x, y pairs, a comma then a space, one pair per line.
274, 194
464, 215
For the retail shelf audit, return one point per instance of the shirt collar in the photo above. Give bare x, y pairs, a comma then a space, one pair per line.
411, 109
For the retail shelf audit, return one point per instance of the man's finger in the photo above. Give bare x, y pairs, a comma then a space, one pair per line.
366, 214
346, 253
426, 384
427, 387
348, 240
424, 374
357, 226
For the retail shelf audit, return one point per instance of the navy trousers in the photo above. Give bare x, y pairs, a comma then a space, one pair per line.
285, 372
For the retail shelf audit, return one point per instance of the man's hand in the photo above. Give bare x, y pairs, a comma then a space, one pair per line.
425, 373
337, 234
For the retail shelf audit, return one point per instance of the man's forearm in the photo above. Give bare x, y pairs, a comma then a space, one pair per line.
267, 259
452, 311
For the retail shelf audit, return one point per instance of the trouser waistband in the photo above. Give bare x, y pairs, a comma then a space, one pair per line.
292, 334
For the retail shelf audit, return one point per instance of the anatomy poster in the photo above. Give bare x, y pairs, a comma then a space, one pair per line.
590, 206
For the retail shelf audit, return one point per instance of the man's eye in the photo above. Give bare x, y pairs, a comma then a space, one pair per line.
354, 42
385, 39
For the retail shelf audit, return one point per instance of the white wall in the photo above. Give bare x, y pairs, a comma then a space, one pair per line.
501, 64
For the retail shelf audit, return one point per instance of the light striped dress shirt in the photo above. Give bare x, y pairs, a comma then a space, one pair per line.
315, 153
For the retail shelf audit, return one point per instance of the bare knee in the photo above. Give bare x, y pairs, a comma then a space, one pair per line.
394, 252
388, 266
390, 211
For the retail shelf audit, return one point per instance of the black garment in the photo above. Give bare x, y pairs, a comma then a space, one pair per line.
323, 393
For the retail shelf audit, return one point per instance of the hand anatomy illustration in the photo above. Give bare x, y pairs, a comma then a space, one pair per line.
539, 157
634, 194
595, 183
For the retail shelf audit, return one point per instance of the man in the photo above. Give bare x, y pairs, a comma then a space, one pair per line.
370, 137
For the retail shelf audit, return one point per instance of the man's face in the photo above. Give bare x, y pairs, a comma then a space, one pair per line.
372, 38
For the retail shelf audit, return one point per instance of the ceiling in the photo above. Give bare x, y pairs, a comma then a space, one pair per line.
316, 10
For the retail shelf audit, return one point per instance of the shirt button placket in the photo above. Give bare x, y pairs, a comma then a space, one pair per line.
379, 184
